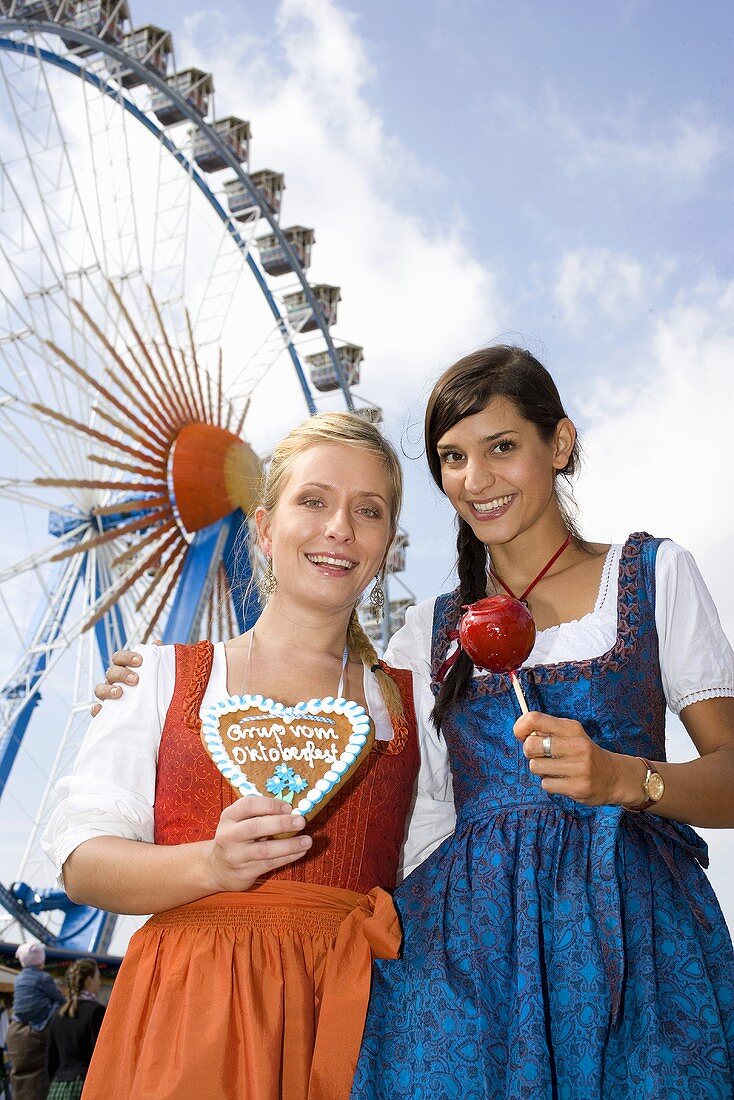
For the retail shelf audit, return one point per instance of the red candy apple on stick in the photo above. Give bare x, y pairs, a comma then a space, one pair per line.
498, 633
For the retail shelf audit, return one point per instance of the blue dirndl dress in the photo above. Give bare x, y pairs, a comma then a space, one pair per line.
555, 950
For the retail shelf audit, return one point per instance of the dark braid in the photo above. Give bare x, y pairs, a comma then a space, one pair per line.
76, 976
472, 569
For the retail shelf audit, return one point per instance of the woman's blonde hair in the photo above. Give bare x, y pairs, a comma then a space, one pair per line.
76, 976
352, 430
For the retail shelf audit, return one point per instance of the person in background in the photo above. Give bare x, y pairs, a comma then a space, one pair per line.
73, 1032
36, 999
4, 1024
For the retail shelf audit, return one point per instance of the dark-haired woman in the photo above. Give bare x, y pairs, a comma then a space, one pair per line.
564, 942
73, 1032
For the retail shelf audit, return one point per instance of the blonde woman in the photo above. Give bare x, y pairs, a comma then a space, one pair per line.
252, 977
73, 1032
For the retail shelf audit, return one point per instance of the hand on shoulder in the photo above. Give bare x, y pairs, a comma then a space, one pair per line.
121, 671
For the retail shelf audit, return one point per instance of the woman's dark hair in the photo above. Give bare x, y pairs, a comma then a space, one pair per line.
464, 389
76, 976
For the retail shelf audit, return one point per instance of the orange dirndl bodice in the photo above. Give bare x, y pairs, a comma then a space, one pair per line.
259, 995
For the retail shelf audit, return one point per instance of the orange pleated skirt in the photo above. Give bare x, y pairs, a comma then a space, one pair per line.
253, 996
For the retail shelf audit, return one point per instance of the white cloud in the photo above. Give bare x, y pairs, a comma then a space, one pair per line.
412, 292
674, 158
682, 154
591, 281
659, 459
659, 449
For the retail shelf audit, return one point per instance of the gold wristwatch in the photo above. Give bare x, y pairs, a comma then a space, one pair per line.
653, 787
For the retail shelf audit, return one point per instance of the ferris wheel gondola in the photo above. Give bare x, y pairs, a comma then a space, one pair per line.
142, 380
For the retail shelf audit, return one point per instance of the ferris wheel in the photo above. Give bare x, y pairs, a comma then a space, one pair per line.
158, 334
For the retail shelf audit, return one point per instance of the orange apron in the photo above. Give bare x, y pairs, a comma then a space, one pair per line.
259, 995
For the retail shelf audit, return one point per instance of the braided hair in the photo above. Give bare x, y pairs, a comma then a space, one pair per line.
76, 976
360, 645
463, 390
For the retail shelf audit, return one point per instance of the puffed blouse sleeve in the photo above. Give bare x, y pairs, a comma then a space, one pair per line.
112, 787
696, 659
432, 816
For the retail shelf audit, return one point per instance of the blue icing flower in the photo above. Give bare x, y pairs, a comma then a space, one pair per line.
275, 785
298, 783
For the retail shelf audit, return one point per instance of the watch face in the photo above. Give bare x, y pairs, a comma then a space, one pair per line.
655, 787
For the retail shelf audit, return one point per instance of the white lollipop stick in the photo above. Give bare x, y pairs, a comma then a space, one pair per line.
518, 692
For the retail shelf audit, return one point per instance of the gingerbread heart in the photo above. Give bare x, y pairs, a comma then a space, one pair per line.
302, 754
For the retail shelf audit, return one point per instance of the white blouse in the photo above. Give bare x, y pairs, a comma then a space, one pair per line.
696, 662
112, 789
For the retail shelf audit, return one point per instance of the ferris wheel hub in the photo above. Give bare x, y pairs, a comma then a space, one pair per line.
211, 472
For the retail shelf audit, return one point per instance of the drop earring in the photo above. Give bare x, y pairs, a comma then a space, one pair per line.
269, 581
376, 599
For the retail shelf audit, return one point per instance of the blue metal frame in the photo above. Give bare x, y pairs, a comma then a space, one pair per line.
238, 565
34, 667
202, 558
110, 623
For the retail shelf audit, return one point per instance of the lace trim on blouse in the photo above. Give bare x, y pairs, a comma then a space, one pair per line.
568, 671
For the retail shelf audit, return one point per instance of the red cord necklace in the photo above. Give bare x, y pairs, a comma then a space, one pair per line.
454, 634
540, 575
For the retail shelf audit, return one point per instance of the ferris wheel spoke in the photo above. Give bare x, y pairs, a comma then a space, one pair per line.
153, 472
129, 579
126, 555
263, 359
226, 271
108, 395
162, 383
28, 382
85, 429
177, 562
171, 222
196, 369
15, 415
55, 185
43, 556
182, 388
158, 393
10, 493
115, 202
159, 517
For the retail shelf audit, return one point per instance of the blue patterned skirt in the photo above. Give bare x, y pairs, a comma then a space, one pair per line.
550, 954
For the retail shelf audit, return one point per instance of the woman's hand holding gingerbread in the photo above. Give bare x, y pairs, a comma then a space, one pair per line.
568, 762
243, 848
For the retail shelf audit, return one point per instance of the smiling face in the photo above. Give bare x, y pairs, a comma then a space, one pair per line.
331, 527
499, 472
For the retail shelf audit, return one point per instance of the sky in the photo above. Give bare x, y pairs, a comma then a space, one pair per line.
553, 175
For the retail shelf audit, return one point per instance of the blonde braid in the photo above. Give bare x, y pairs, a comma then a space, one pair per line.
360, 645
76, 976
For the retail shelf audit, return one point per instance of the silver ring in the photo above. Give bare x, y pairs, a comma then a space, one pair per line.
547, 746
